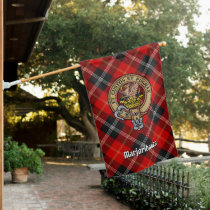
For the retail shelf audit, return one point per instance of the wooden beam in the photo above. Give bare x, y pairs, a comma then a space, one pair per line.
193, 141
24, 21
187, 160
1, 103
192, 152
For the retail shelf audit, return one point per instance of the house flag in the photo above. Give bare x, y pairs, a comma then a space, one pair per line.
128, 100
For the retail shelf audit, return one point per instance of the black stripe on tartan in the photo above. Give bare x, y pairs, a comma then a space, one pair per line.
112, 127
163, 154
147, 65
171, 133
141, 142
100, 79
123, 170
120, 56
156, 113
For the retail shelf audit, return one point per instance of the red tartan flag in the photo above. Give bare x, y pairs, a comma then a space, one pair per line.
128, 100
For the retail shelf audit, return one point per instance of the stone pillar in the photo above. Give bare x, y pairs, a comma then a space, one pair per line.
96, 151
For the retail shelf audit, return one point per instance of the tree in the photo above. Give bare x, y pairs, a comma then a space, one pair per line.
77, 30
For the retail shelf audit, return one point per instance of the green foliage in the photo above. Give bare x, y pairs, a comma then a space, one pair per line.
200, 182
139, 198
16, 156
77, 30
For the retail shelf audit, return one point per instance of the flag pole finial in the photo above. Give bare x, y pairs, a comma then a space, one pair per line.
162, 44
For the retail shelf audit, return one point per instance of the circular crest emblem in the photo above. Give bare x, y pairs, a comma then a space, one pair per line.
129, 97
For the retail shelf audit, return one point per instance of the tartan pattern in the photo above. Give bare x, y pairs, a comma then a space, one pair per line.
118, 136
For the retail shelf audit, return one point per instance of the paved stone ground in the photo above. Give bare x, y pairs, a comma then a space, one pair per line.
63, 186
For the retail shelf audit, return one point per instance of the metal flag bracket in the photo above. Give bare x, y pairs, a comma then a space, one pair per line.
7, 85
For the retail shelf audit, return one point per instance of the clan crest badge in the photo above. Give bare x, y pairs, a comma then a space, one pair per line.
130, 98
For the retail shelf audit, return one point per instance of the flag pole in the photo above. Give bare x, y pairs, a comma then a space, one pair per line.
51, 73
7, 85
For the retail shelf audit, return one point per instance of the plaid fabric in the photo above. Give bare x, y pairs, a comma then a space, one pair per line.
127, 95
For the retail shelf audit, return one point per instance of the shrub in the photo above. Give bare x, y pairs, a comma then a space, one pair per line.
16, 156
139, 198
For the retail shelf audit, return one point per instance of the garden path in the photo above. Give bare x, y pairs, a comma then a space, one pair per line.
63, 186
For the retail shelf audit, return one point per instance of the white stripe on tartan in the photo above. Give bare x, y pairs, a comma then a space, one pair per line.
96, 76
129, 167
165, 120
141, 144
114, 170
158, 74
147, 136
150, 128
100, 79
125, 135
133, 58
112, 128
148, 65
120, 132
160, 117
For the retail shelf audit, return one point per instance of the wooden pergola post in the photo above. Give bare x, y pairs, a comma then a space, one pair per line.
1, 102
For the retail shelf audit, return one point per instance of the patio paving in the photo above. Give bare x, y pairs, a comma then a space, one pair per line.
64, 185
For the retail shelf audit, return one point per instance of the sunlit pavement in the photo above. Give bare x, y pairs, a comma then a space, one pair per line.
64, 185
